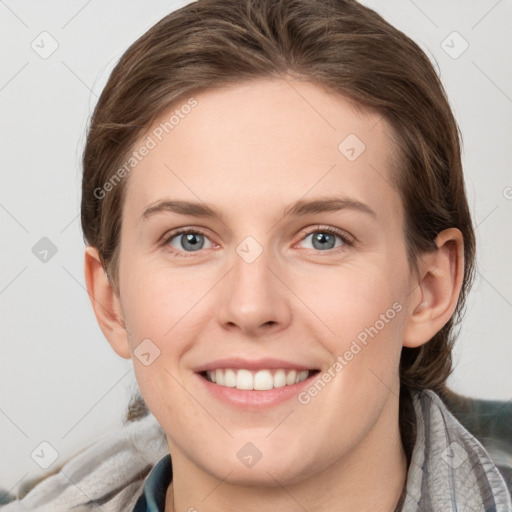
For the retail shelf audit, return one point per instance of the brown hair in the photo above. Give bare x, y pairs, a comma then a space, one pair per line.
339, 45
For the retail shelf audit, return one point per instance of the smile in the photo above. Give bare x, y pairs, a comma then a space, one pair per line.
260, 380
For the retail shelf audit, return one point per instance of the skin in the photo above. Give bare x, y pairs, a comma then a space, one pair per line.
250, 151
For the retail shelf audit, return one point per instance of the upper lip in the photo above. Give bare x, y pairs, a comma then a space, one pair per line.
237, 363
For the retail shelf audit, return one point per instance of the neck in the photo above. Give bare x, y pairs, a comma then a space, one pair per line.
370, 477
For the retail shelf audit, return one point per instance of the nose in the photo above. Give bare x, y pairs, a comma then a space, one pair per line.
254, 299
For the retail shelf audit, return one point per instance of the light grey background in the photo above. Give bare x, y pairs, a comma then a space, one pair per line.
60, 380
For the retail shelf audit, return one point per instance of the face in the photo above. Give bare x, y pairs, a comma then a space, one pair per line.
262, 246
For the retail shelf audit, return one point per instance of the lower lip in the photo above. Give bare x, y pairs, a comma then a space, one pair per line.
255, 399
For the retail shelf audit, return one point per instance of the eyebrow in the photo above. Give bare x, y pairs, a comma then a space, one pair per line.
299, 208
191, 208
330, 204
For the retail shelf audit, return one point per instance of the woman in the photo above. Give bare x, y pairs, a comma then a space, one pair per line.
278, 236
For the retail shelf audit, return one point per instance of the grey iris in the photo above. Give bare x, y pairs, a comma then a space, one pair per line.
320, 239
192, 241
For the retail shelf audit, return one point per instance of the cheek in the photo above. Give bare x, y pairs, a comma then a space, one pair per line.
162, 319
165, 310
347, 300
362, 313
157, 299
360, 316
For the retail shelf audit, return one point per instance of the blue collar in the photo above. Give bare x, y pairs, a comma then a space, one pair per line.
155, 487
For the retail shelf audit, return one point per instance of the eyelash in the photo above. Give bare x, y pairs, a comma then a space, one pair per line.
343, 236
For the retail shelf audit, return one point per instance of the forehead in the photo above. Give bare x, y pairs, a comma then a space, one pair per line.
264, 144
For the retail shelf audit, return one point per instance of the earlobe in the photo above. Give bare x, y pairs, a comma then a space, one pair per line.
439, 283
105, 303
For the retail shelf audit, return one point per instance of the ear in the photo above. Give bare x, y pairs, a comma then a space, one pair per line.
105, 303
437, 291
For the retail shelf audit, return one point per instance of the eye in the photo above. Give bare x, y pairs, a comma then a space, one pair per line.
322, 238
325, 238
187, 240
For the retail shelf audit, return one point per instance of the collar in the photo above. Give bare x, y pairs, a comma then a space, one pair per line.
155, 487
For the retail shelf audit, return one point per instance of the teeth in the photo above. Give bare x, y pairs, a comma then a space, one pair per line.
244, 380
290, 378
229, 378
260, 381
263, 380
279, 379
301, 376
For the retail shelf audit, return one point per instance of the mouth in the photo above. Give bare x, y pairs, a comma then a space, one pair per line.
256, 380
254, 384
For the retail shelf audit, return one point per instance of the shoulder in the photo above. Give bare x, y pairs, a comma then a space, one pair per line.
490, 421
449, 462
109, 474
